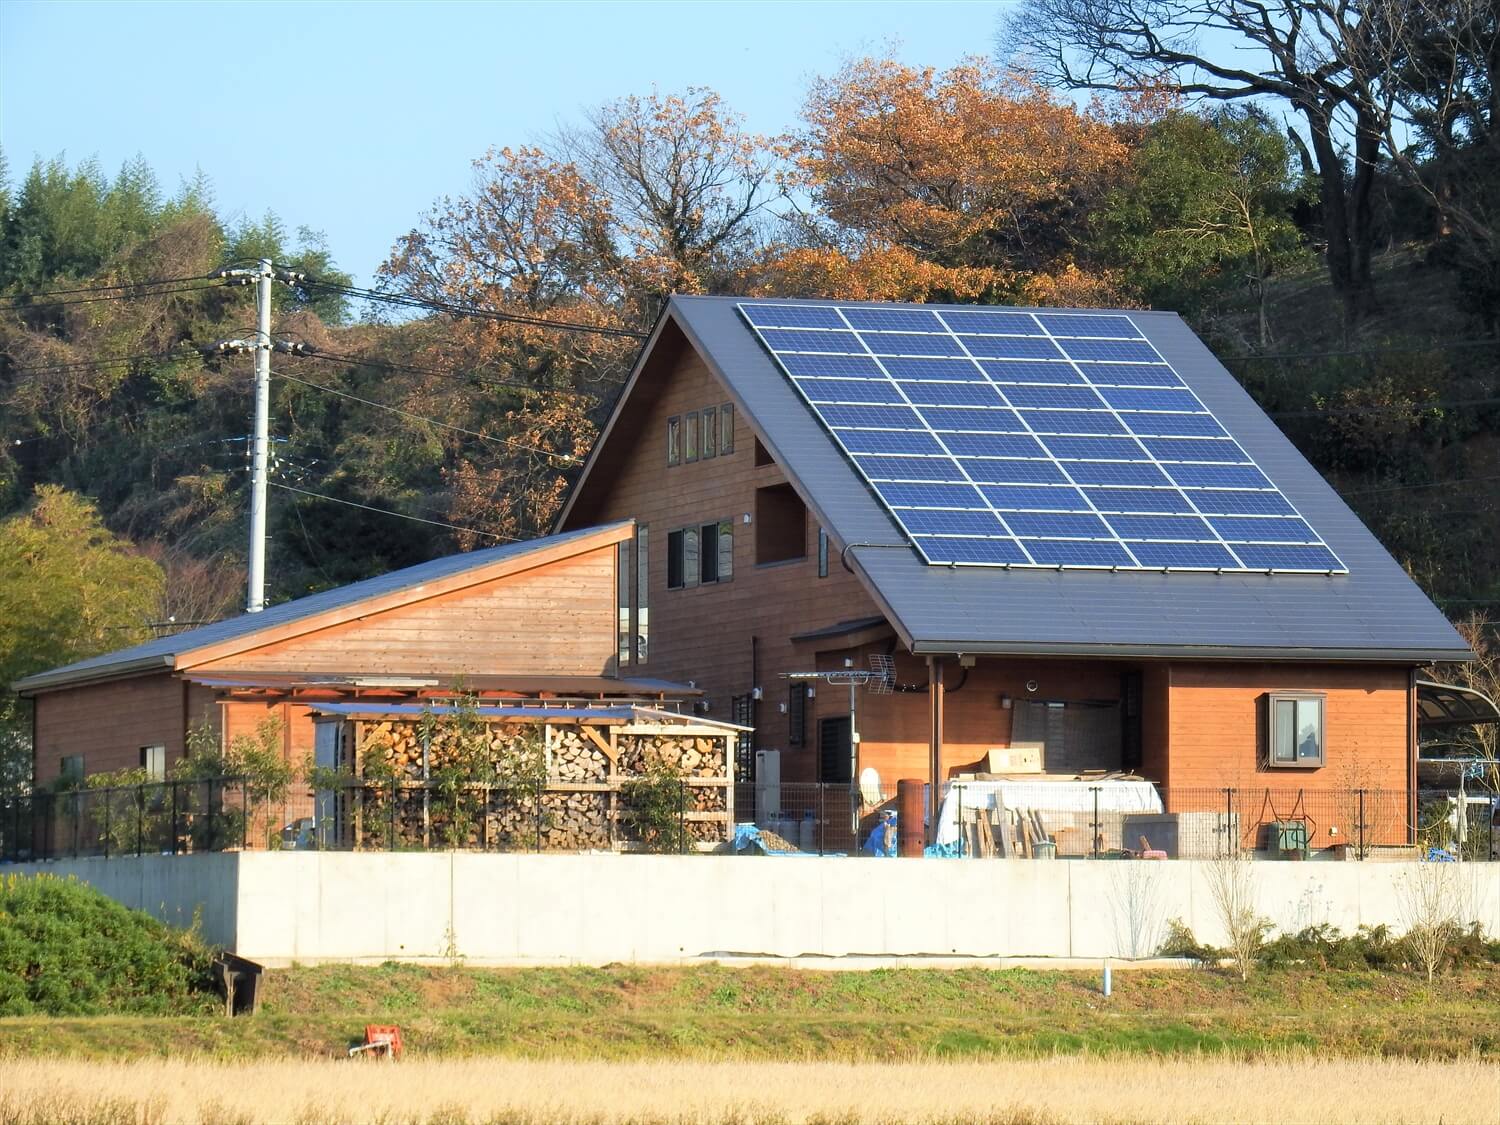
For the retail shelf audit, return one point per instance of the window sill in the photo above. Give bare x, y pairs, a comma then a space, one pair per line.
780, 562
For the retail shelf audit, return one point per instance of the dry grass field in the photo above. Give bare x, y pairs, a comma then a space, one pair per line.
525, 1092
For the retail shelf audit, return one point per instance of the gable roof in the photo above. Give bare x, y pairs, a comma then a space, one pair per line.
1373, 613
373, 595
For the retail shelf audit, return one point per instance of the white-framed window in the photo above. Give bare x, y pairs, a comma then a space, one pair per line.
1295, 730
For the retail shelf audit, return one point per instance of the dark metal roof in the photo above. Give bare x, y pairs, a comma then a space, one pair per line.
1374, 613
466, 683
1453, 705
162, 652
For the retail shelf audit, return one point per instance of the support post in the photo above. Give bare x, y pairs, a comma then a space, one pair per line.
255, 595
935, 743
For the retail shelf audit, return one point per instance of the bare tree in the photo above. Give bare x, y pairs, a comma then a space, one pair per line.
1231, 882
1431, 905
1315, 56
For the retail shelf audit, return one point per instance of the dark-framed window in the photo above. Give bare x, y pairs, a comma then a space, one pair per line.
154, 762
726, 429
1295, 730
690, 437
624, 586
796, 714
700, 555
710, 432
682, 558
642, 597
674, 441
71, 767
822, 553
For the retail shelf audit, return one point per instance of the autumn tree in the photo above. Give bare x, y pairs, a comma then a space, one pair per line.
970, 179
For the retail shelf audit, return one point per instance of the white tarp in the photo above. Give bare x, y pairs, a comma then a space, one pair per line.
1115, 795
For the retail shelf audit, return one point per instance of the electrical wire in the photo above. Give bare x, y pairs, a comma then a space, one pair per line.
455, 309
385, 365
1414, 487
45, 304
103, 361
431, 421
106, 288
1397, 349
1433, 404
388, 512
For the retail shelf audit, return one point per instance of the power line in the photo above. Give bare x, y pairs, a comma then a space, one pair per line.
43, 304
388, 512
431, 421
1320, 411
1393, 349
103, 361
1414, 487
474, 311
483, 380
104, 288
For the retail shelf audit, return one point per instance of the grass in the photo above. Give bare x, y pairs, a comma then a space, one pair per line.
767, 1013
525, 1092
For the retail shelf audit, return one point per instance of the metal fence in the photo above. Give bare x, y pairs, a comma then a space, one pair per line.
978, 820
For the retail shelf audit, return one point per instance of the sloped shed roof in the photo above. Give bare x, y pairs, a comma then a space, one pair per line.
1373, 613
163, 652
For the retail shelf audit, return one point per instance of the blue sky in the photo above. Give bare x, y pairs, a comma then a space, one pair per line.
353, 118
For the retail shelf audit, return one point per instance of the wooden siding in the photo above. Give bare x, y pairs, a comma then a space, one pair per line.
108, 723
706, 634
555, 619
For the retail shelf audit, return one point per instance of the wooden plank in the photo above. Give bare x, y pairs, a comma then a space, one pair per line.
606, 747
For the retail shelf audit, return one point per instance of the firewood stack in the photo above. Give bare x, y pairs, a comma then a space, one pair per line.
569, 815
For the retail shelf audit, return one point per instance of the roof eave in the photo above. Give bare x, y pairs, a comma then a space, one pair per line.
1411, 657
59, 678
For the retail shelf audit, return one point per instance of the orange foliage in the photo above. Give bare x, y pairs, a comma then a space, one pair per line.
969, 167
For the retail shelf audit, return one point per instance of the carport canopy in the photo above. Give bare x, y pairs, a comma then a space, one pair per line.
1452, 705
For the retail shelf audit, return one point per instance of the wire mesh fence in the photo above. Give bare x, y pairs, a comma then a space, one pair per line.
977, 819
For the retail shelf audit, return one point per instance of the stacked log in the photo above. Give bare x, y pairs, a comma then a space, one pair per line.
559, 818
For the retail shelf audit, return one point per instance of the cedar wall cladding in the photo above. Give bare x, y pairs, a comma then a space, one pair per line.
109, 722
554, 619
1216, 721
704, 634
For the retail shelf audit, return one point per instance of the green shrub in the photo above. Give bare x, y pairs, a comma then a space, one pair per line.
66, 949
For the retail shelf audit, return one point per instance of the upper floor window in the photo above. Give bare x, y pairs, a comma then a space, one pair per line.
726, 429
674, 441
822, 553
700, 555
1295, 730
710, 432
690, 437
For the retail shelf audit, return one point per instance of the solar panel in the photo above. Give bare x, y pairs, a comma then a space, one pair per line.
998, 437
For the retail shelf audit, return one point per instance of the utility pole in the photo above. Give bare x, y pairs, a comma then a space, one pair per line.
263, 274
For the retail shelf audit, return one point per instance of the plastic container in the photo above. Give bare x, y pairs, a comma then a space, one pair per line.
807, 833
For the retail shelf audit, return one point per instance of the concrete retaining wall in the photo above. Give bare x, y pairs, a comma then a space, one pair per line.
508, 909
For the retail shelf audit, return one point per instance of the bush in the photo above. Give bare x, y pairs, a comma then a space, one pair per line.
66, 949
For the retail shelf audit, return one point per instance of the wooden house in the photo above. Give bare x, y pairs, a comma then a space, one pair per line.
525, 621
1071, 537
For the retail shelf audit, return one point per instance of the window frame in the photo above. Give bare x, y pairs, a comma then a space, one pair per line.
1297, 699
726, 429
674, 440
822, 552
65, 773
709, 439
690, 423
159, 752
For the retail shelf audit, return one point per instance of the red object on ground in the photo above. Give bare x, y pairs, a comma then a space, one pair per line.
388, 1037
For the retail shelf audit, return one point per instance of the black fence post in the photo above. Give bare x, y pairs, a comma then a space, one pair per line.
77, 818
681, 816
174, 818
536, 803
391, 832
140, 818
1231, 843
245, 819
1361, 824
108, 801
213, 817
484, 819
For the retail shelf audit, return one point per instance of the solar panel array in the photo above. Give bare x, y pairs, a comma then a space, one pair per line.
999, 437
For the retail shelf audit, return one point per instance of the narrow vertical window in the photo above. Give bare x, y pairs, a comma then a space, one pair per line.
690, 437
676, 559
674, 441
726, 550
726, 429
822, 553
642, 599
71, 767
796, 714
690, 557
710, 432
708, 553
624, 585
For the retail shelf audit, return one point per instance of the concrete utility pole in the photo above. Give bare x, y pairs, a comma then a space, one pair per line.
263, 274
